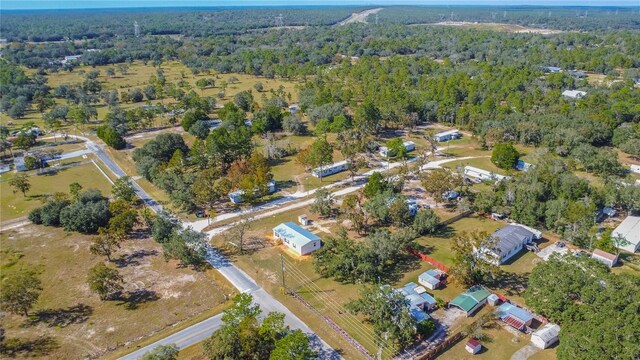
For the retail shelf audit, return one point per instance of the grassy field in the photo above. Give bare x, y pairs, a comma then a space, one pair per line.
16, 205
77, 324
138, 76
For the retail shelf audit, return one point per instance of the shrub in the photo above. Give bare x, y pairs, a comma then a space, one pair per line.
111, 137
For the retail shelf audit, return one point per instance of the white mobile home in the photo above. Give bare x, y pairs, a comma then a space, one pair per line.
448, 135
335, 168
574, 94
299, 240
237, 197
480, 174
408, 145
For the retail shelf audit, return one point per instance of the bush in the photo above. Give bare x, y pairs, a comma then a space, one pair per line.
191, 118
35, 216
86, 215
505, 156
200, 130
31, 162
49, 214
293, 125
111, 137
425, 222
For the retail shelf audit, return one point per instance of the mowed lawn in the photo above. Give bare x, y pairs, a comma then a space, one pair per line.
15, 205
76, 322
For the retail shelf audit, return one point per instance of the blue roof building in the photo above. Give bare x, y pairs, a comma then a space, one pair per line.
514, 316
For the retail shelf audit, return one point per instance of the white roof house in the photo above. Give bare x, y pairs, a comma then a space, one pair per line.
408, 145
635, 168
546, 336
447, 135
574, 94
510, 240
299, 240
482, 174
629, 229
330, 169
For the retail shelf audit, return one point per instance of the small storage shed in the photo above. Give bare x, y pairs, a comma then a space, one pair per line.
473, 346
604, 257
304, 220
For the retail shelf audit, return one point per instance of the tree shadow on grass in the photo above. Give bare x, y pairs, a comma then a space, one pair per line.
444, 232
38, 347
512, 283
76, 314
403, 264
132, 299
134, 258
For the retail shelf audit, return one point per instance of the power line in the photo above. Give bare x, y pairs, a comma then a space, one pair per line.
331, 306
336, 308
339, 309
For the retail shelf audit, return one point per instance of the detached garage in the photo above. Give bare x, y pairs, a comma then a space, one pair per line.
546, 336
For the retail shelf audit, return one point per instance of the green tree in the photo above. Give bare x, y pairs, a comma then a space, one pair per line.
474, 261
376, 184
162, 352
425, 222
606, 328
437, 182
21, 289
396, 148
24, 141
320, 153
244, 100
105, 281
294, 346
104, 244
123, 189
388, 312
20, 183
187, 246
323, 203
505, 156
74, 190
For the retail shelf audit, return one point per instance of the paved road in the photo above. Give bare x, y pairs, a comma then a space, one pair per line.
238, 278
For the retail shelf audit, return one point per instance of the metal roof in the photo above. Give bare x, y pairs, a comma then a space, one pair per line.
511, 237
507, 310
295, 233
629, 229
548, 332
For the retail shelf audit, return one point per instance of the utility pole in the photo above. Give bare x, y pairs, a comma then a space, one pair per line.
136, 29
376, 18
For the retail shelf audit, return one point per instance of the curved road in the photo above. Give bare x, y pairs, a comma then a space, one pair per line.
238, 278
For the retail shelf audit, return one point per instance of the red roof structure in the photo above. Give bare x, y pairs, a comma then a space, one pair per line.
473, 343
514, 321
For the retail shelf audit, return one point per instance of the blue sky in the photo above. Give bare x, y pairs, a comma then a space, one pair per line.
75, 4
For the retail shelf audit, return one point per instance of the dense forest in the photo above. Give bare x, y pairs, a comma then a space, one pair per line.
49, 25
353, 85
